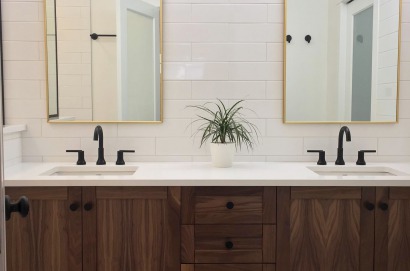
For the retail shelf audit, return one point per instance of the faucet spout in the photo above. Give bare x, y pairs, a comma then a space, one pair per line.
99, 135
343, 130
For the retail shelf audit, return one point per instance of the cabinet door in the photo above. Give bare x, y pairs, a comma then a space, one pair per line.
131, 228
325, 228
392, 229
49, 238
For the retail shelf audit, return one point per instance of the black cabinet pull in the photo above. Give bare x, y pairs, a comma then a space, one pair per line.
230, 205
369, 206
383, 206
22, 206
229, 245
74, 206
88, 206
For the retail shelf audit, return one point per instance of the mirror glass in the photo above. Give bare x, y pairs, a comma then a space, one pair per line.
341, 60
104, 61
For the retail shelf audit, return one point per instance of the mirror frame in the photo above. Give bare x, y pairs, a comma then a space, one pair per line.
161, 70
340, 122
3, 119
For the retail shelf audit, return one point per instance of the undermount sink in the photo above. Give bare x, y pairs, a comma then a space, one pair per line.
90, 171
355, 171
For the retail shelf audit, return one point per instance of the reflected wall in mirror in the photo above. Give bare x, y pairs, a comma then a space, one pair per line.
104, 60
348, 70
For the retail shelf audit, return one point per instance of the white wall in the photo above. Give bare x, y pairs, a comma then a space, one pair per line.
229, 49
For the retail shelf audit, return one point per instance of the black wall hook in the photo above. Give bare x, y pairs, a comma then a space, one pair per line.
288, 38
308, 38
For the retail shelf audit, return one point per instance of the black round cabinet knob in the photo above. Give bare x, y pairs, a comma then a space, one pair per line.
229, 245
88, 206
369, 206
74, 206
230, 205
383, 206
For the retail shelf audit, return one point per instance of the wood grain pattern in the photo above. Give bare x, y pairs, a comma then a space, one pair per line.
325, 234
89, 229
228, 256
42, 240
283, 229
367, 230
38, 193
187, 244
188, 205
124, 192
326, 193
139, 234
229, 267
269, 205
398, 248
172, 251
75, 233
244, 237
269, 243
213, 210
381, 231
399, 193
229, 191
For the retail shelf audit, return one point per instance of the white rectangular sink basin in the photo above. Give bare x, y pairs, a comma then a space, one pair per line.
102, 170
355, 171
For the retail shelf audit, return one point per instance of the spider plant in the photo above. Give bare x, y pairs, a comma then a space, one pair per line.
225, 124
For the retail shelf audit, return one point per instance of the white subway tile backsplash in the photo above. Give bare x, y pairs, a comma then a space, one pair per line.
176, 52
275, 13
177, 90
239, 90
229, 13
20, 11
177, 13
256, 71
274, 90
206, 52
227, 49
256, 32
394, 146
23, 31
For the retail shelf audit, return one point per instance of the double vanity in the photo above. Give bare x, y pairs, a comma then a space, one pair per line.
194, 217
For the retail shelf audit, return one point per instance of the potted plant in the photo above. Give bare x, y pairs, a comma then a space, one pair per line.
226, 128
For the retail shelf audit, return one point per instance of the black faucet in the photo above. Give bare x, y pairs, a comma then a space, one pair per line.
344, 129
98, 135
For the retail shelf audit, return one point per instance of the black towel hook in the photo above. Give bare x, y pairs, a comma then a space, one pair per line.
308, 38
288, 38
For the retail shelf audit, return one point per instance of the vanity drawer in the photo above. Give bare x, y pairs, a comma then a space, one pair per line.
228, 205
228, 210
228, 243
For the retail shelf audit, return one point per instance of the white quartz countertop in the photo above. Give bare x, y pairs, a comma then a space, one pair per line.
203, 174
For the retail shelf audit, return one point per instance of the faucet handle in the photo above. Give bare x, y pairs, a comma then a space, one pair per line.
360, 157
120, 156
322, 155
80, 160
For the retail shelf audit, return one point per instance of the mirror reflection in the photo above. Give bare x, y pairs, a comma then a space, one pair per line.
104, 61
341, 60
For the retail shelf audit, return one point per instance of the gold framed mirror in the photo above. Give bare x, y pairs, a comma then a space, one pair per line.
341, 61
104, 61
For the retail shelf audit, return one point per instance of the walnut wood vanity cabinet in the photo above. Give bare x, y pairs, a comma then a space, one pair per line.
211, 229
228, 229
96, 228
325, 228
392, 248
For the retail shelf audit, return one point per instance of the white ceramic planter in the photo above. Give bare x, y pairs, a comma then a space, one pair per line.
222, 154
